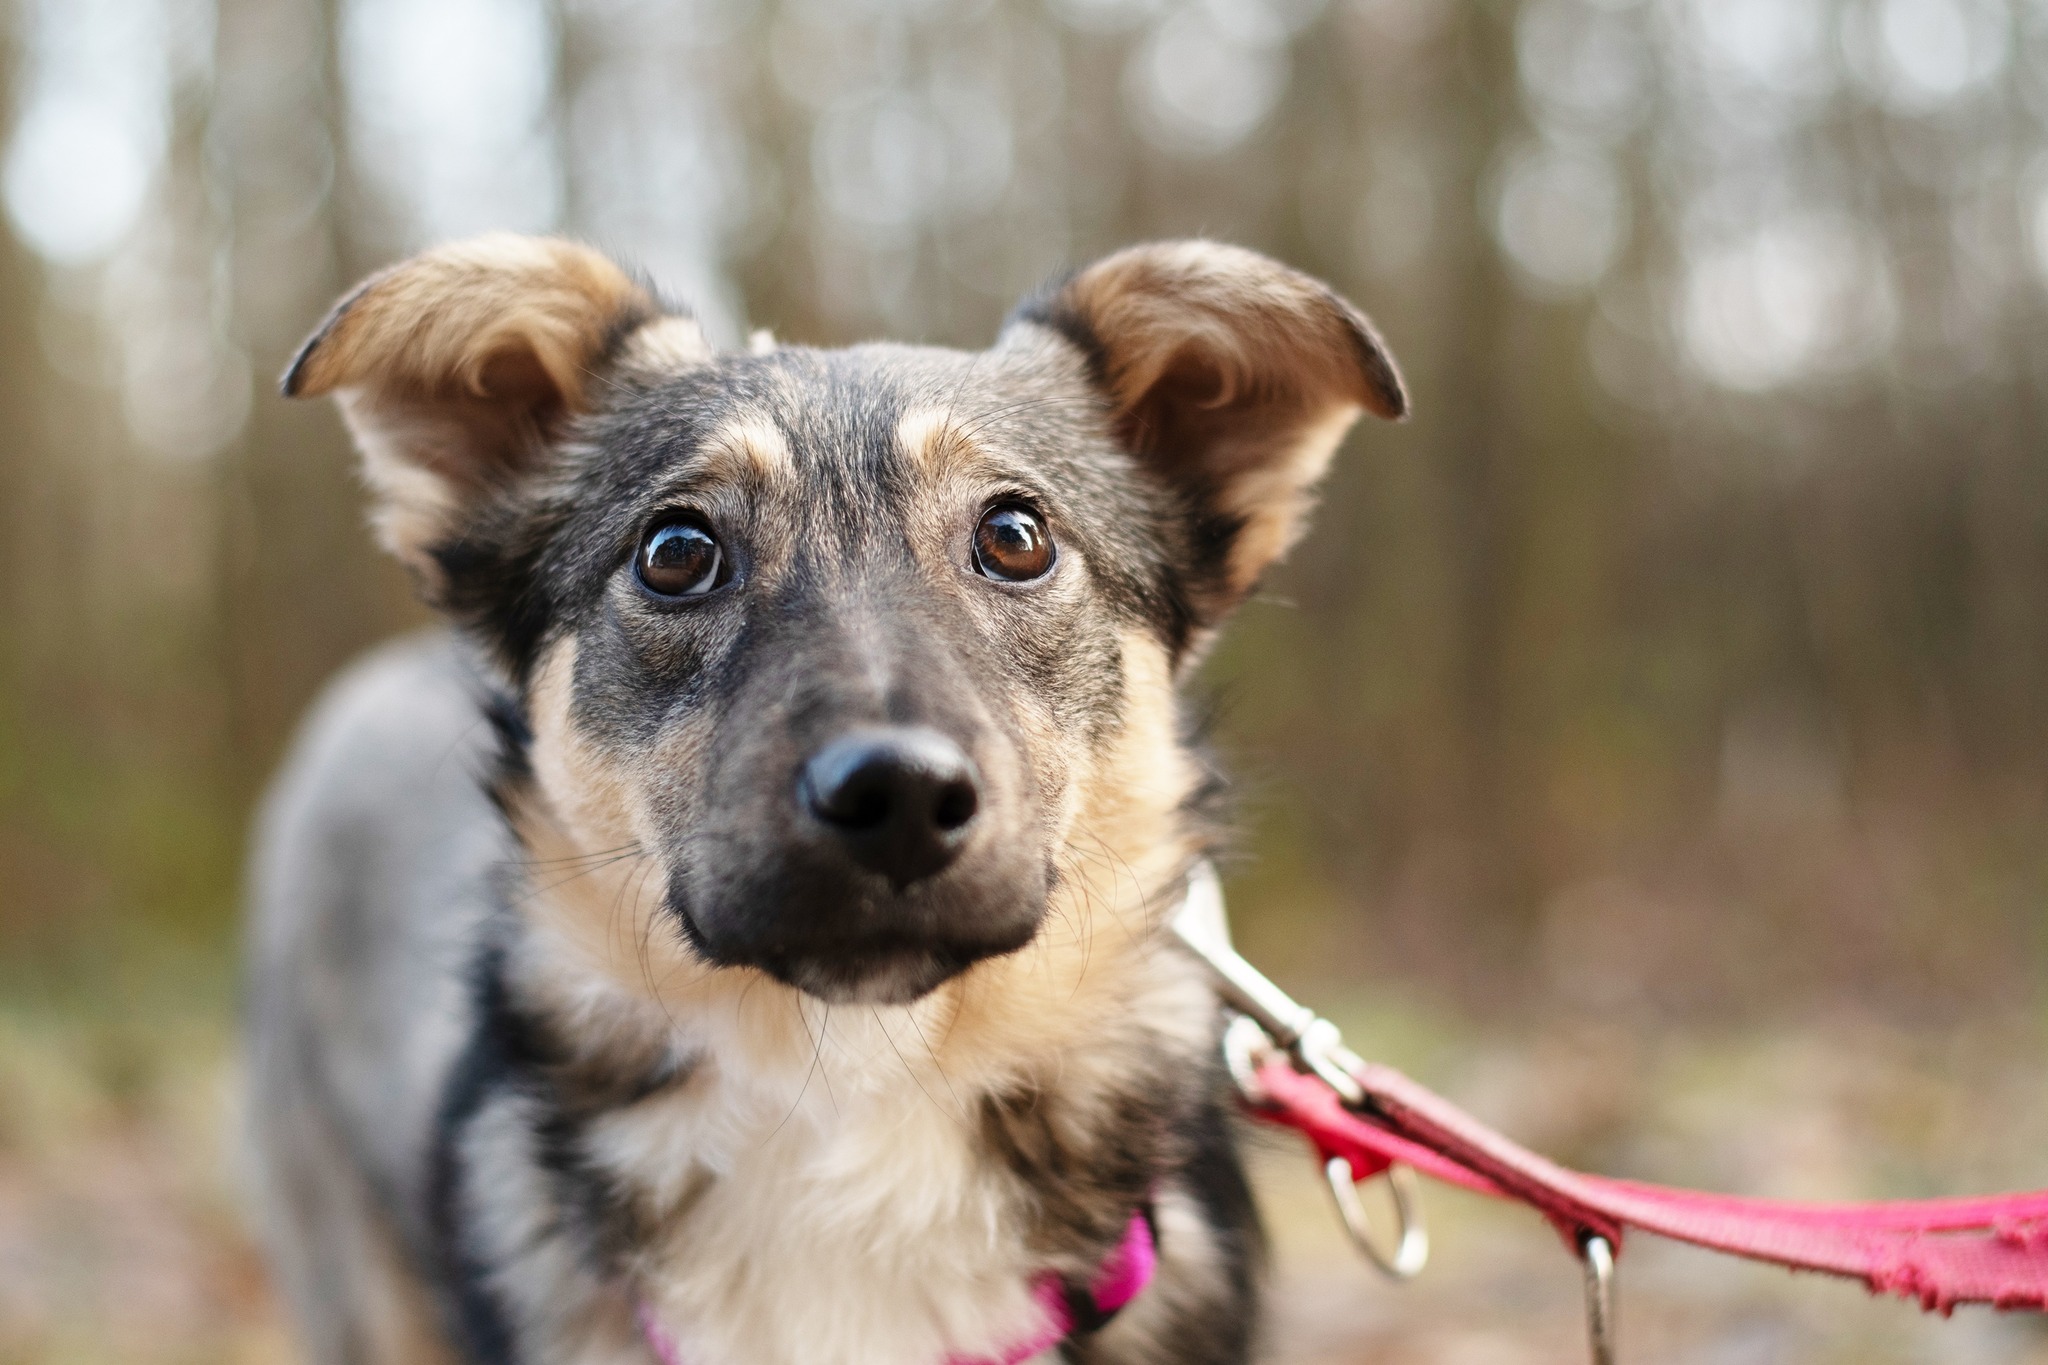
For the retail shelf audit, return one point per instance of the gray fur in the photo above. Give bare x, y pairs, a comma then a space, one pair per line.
377, 851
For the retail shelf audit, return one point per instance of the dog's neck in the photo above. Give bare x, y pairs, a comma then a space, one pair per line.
942, 1153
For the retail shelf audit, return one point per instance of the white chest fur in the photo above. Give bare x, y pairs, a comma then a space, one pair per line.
817, 1190
857, 1211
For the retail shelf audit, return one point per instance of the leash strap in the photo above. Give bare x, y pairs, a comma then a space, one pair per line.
1292, 1068
1941, 1252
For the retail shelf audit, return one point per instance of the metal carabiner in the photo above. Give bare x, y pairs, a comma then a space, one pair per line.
1268, 1022
1411, 1244
1596, 1253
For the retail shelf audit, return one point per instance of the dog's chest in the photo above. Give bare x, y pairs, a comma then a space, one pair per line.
892, 1180
862, 1212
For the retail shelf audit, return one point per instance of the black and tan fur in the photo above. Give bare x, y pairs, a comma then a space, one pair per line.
619, 1024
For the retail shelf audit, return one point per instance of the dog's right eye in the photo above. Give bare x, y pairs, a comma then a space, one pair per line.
681, 559
1012, 544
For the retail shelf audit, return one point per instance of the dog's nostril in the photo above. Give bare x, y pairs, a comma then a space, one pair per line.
857, 799
898, 797
956, 805
866, 810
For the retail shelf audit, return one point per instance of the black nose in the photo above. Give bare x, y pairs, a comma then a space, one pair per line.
899, 797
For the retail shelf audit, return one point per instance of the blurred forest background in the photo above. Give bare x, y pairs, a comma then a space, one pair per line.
1650, 744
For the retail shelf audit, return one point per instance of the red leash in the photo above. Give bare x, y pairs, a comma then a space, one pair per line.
1364, 1119
1940, 1251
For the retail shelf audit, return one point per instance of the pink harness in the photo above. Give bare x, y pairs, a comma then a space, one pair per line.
1119, 1279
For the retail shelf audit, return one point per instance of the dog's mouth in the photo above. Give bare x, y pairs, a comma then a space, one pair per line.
878, 975
870, 969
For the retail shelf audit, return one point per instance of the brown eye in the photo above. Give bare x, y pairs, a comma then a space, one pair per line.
1012, 544
680, 559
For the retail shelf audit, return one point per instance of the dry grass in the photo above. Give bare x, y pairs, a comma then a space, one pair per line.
120, 1235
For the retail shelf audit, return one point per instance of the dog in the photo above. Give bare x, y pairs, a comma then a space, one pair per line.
739, 939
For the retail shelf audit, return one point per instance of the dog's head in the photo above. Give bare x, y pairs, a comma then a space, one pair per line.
867, 651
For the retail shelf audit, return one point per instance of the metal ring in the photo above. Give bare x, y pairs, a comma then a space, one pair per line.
1246, 1046
1411, 1249
1598, 1257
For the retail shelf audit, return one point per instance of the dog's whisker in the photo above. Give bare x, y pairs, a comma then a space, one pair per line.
825, 1069
639, 926
614, 940
1082, 895
463, 743
908, 1069
817, 1051
1053, 400
615, 385
960, 386
976, 425
1119, 864
534, 893
1085, 938
531, 864
937, 1065
580, 863
656, 989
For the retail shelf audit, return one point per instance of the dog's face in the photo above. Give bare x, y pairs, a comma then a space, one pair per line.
851, 645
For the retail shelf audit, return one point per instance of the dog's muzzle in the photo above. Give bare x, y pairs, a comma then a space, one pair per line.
882, 869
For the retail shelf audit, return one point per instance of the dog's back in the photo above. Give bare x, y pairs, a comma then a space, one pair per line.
374, 858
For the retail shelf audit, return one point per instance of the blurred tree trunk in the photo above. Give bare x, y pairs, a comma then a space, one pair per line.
578, 57
1481, 470
302, 588
20, 362
19, 453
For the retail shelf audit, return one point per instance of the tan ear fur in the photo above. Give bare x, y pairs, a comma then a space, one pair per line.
452, 369
1231, 375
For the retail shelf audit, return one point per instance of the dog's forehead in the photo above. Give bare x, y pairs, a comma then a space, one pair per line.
868, 413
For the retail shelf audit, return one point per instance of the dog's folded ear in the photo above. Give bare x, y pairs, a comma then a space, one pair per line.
455, 368
1231, 377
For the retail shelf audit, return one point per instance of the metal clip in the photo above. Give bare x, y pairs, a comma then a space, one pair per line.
1597, 1255
1314, 1042
1411, 1246
1269, 1020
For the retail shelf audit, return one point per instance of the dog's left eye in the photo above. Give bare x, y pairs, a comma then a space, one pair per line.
681, 559
1012, 544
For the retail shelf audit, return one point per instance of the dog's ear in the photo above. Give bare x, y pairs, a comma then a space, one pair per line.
1231, 377
455, 368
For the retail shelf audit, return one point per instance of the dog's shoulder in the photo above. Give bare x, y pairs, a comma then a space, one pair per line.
374, 873
398, 711
400, 741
